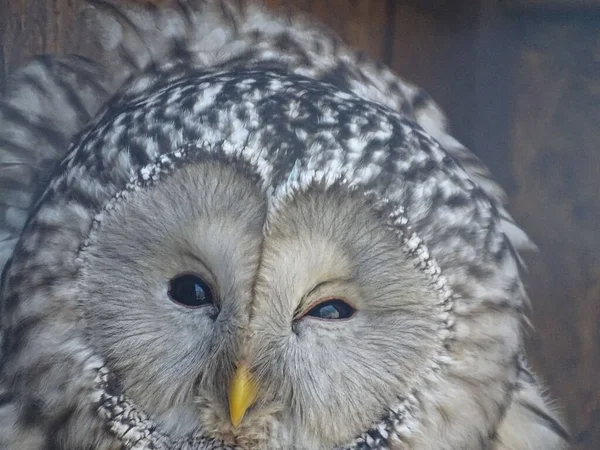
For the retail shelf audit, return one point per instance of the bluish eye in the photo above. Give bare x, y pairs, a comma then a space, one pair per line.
332, 310
191, 291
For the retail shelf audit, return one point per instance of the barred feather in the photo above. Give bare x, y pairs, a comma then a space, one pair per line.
46, 103
210, 33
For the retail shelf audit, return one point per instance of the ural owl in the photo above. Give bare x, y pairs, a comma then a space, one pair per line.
230, 231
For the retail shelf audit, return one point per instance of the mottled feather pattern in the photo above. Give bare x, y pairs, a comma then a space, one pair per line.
222, 64
233, 32
208, 33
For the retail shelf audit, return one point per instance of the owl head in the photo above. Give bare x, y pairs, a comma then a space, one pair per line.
266, 285
250, 257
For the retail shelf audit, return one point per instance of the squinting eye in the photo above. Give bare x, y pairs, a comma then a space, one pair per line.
331, 310
190, 290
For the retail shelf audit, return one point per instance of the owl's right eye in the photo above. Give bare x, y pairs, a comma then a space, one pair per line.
190, 290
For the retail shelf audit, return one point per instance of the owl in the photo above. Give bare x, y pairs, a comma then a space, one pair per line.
224, 229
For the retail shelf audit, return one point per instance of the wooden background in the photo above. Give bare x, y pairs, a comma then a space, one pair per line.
520, 81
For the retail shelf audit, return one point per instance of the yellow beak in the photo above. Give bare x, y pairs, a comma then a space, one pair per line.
242, 394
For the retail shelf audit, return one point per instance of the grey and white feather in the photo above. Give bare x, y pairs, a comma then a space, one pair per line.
260, 156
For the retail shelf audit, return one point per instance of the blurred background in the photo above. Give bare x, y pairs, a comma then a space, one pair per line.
520, 82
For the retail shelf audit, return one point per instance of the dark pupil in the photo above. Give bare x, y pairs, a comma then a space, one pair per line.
332, 309
190, 290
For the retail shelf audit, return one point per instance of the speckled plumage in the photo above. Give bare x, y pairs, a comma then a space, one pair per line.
291, 119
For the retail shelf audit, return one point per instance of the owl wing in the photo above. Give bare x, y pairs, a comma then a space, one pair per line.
45, 104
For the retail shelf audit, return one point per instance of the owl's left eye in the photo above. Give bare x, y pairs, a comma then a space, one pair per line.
332, 309
190, 290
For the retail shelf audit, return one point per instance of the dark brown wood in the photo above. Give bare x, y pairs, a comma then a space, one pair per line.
30, 28
523, 92
556, 164
435, 49
544, 4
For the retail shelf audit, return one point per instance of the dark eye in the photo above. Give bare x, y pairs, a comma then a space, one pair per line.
190, 290
331, 310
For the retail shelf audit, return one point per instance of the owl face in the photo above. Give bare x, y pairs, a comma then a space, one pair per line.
314, 296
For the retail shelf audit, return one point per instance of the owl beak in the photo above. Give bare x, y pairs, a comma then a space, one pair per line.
242, 394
